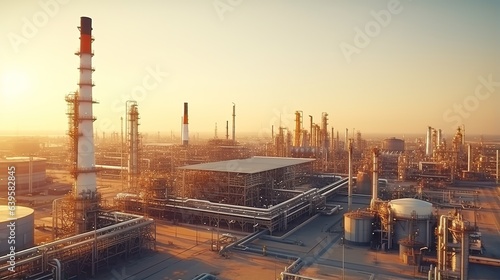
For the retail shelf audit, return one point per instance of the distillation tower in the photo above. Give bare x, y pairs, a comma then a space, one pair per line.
133, 141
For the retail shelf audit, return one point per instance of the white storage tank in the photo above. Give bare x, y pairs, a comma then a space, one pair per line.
22, 222
405, 207
412, 218
358, 227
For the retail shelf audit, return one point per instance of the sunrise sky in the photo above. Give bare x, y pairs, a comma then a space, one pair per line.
376, 66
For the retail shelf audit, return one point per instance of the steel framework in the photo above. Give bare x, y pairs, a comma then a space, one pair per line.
84, 255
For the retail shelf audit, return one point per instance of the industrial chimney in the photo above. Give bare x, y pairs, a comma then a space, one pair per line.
428, 142
185, 128
85, 173
349, 181
234, 124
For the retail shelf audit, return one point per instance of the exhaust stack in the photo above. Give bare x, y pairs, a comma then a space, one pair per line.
85, 172
185, 128
234, 124
428, 142
349, 188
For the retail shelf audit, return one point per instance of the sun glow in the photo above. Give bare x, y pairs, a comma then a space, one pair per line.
14, 84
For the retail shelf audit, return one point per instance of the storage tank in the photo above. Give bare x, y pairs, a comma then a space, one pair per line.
393, 145
409, 251
358, 227
22, 225
412, 219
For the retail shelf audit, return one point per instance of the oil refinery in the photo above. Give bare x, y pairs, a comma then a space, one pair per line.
309, 202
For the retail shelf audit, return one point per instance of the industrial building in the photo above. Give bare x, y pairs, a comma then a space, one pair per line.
255, 182
30, 172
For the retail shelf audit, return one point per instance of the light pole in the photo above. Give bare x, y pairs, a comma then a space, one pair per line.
343, 256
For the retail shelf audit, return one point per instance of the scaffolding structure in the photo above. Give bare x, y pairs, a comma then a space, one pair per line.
87, 254
76, 212
237, 182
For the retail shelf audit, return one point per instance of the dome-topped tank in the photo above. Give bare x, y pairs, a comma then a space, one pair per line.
404, 207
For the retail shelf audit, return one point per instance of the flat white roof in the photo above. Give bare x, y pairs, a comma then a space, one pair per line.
249, 165
20, 159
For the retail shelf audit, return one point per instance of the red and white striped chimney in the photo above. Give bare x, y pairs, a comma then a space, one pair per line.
86, 173
185, 128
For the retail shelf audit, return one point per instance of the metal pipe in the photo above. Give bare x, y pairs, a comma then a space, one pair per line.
58, 269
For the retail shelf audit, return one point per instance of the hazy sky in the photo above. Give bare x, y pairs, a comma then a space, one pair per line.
376, 66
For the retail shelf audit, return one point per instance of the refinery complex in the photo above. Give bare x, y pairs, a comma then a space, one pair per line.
308, 202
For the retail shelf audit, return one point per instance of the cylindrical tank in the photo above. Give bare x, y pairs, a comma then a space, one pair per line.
393, 145
409, 251
16, 230
411, 208
412, 218
358, 227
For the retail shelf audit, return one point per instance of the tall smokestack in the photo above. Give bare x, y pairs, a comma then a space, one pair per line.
428, 142
469, 157
185, 128
349, 188
234, 123
86, 173
227, 130
375, 178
